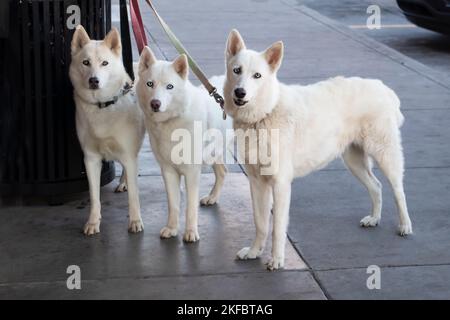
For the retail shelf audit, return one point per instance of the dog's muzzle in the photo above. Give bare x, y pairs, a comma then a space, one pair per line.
239, 95
239, 102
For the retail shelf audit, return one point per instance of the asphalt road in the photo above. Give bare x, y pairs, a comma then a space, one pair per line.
430, 48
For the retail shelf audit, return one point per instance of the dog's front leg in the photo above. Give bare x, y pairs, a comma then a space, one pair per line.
261, 200
135, 223
93, 164
192, 180
281, 202
172, 184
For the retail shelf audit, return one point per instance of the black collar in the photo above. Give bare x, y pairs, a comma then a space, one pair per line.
126, 88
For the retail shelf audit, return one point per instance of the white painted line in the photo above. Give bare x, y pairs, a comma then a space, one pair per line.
385, 26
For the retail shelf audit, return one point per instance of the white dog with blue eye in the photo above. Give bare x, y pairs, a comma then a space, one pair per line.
358, 119
172, 106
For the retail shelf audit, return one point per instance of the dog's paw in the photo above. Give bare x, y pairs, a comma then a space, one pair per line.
248, 253
121, 188
208, 200
275, 263
135, 226
167, 233
405, 229
191, 236
369, 221
91, 228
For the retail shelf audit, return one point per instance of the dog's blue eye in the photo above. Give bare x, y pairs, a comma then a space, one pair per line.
105, 63
169, 87
257, 75
237, 70
150, 84
86, 62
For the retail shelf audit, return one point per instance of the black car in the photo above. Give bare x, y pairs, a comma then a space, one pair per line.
430, 14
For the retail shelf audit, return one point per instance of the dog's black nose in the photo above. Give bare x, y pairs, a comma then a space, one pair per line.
155, 104
94, 82
240, 93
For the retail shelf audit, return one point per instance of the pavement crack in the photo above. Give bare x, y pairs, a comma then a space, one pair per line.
150, 277
157, 44
311, 270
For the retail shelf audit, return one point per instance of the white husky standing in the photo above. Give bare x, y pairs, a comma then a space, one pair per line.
170, 104
109, 122
353, 117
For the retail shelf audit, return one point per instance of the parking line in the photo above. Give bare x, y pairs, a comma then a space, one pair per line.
383, 26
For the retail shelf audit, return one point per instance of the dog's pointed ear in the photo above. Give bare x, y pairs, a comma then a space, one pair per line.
181, 66
113, 42
146, 60
235, 43
79, 40
274, 55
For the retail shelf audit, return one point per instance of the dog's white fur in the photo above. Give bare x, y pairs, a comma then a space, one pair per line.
112, 133
180, 107
358, 119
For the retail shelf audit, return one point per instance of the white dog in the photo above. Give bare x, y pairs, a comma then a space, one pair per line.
172, 104
109, 122
358, 119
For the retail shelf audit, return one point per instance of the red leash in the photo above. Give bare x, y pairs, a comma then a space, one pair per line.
137, 25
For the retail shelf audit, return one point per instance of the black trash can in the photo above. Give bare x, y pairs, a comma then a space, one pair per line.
39, 151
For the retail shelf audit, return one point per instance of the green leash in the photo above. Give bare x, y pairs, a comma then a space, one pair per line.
194, 66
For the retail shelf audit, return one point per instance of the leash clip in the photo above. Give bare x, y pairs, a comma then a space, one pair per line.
219, 99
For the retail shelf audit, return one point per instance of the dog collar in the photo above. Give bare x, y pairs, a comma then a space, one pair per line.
127, 88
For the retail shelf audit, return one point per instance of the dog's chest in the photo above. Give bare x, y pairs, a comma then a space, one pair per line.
174, 140
161, 141
102, 130
109, 148
105, 139
257, 147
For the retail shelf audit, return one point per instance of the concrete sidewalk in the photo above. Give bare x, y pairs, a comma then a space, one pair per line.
38, 243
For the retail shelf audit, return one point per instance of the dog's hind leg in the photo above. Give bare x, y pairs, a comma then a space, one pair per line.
391, 162
122, 187
360, 164
220, 171
261, 193
93, 164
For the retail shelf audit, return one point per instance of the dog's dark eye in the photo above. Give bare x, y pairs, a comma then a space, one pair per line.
237, 70
86, 62
150, 84
105, 63
257, 75
169, 87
